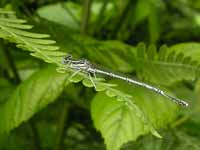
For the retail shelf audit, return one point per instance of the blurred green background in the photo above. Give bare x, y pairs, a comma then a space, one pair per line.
127, 36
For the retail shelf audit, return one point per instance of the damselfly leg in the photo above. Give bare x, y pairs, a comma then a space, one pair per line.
80, 65
92, 81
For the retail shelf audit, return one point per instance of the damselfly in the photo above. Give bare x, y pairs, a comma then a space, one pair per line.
85, 66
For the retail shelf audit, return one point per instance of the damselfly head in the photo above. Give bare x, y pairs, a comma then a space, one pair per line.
67, 59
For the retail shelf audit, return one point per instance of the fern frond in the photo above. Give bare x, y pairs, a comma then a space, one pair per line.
163, 67
15, 30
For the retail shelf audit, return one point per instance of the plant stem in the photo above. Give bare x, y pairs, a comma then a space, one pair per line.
34, 135
11, 63
61, 127
100, 17
180, 121
65, 7
86, 8
121, 19
121, 6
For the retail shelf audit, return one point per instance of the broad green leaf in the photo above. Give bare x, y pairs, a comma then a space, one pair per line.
66, 14
42, 88
69, 13
122, 121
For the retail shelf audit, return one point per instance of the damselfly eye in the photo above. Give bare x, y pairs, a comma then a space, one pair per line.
68, 57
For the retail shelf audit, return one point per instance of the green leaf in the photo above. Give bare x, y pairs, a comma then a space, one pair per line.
67, 14
42, 88
121, 121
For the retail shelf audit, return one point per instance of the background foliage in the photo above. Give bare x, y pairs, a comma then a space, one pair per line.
43, 107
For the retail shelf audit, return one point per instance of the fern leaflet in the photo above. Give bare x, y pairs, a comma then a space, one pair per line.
164, 67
